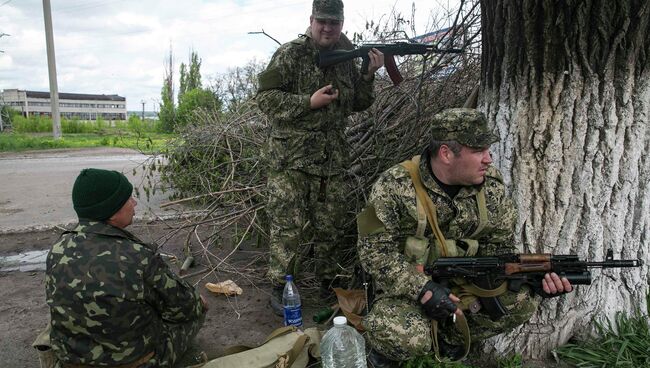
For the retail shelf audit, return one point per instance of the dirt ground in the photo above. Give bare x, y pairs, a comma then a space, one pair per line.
245, 319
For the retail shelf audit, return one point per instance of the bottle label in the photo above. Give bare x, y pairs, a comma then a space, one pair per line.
293, 316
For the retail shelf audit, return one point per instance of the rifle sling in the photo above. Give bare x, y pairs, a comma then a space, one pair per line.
461, 325
485, 293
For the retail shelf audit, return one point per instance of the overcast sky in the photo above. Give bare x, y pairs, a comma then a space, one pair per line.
119, 46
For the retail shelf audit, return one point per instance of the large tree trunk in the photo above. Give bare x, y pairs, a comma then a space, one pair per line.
567, 85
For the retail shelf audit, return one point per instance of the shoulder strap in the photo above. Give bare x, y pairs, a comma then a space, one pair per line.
413, 168
482, 213
422, 217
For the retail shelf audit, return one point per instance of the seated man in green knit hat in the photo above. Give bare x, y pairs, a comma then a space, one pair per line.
113, 300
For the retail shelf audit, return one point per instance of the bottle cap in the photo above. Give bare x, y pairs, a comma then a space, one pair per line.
289, 277
340, 321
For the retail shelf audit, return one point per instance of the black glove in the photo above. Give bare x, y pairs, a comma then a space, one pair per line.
439, 306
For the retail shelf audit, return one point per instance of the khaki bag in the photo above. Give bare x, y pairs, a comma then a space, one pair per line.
286, 347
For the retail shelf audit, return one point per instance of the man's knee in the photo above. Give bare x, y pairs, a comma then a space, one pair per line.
398, 330
399, 347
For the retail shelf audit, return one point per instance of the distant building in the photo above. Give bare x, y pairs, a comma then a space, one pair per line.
71, 105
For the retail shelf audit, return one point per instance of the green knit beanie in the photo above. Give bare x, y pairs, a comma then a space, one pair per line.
98, 194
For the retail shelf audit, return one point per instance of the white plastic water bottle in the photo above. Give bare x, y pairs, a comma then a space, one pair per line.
291, 303
343, 347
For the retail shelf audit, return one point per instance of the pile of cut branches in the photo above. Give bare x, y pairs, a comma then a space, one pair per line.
216, 166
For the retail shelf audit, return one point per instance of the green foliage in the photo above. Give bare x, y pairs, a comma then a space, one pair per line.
190, 78
167, 112
146, 144
203, 158
193, 80
136, 125
193, 101
191, 95
9, 114
514, 361
429, 361
43, 124
182, 82
623, 342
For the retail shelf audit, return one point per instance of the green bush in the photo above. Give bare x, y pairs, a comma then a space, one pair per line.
32, 124
9, 114
136, 125
76, 126
38, 124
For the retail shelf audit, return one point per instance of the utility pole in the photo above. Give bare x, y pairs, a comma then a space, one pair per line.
51, 67
2, 127
143, 102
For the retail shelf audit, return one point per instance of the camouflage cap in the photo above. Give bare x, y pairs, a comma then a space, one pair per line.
327, 9
468, 127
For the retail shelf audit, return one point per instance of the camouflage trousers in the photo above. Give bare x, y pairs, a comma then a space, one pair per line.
177, 337
305, 210
397, 327
174, 341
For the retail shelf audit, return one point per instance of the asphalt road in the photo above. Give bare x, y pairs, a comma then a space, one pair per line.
35, 186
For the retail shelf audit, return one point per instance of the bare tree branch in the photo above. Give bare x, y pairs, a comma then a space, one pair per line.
267, 35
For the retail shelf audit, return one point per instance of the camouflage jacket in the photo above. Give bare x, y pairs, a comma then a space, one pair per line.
109, 294
394, 201
312, 141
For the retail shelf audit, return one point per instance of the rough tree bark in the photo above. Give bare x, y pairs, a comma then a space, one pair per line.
567, 85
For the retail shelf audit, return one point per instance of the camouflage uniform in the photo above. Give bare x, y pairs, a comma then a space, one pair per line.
396, 325
307, 152
113, 300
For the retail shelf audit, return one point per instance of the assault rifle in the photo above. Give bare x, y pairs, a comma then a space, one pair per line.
517, 269
331, 57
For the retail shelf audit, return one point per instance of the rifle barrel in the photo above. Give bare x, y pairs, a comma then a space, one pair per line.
616, 264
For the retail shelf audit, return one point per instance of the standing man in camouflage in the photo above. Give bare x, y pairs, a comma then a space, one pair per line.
307, 153
395, 238
113, 300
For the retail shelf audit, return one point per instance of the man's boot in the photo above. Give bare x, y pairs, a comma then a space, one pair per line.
378, 360
275, 302
193, 356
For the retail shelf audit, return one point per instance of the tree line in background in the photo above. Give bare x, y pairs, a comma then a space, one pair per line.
224, 93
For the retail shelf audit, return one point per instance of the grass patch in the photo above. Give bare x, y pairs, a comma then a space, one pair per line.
43, 124
623, 342
146, 143
428, 361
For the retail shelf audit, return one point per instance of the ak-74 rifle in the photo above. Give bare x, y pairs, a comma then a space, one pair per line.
331, 57
517, 269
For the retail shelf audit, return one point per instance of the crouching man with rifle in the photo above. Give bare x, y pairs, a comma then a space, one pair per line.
448, 209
